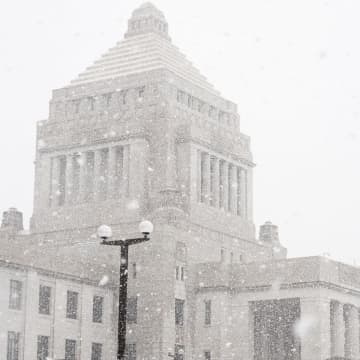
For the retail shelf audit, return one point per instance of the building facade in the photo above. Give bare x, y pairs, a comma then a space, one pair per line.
142, 134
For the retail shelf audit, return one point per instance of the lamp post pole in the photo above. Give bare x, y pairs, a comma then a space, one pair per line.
104, 234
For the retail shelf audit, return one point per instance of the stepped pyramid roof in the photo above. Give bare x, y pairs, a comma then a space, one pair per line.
146, 46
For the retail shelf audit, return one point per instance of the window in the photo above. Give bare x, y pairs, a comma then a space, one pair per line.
222, 255
134, 270
76, 106
123, 94
207, 355
72, 304
179, 312
179, 352
107, 98
141, 92
207, 312
130, 352
15, 295
70, 349
91, 101
182, 277
13, 345
98, 302
177, 271
131, 313
96, 351
44, 299
42, 347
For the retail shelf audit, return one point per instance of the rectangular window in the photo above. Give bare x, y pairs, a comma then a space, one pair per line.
207, 355
15, 298
179, 312
91, 101
42, 347
222, 255
72, 304
141, 92
179, 352
70, 349
122, 98
98, 302
130, 352
182, 276
107, 98
44, 299
177, 273
76, 105
96, 351
131, 313
207, 304
13, 345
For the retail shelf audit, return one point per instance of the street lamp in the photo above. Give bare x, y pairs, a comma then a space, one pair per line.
104, 232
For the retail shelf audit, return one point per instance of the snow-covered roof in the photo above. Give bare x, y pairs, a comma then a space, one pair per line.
146, 47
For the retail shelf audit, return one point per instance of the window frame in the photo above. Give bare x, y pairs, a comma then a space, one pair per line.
98, 318
131, 313
14, 352
47, 310
15, 301
42, 356
71, 313
179, 312
67, 343
207, 312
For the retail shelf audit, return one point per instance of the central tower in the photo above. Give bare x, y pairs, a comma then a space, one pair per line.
141, 133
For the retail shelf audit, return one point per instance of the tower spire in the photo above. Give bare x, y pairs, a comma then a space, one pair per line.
147, 18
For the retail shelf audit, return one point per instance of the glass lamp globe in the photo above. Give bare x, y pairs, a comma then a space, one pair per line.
146, 227
104, 232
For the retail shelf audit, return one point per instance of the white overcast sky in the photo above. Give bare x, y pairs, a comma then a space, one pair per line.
292, 67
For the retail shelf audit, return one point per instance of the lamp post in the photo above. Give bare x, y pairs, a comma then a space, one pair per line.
104, 232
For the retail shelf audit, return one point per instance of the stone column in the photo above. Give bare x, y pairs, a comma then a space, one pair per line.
198, 175
243, 193
314, 329
55, 186
97, 174
337, 329
205, 181
249, 194
82, 177
225, 185
111, 172
125, 172
215, 184
351, 332
233, 189
69, 180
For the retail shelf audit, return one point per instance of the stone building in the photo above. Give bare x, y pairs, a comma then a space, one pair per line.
142, 134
